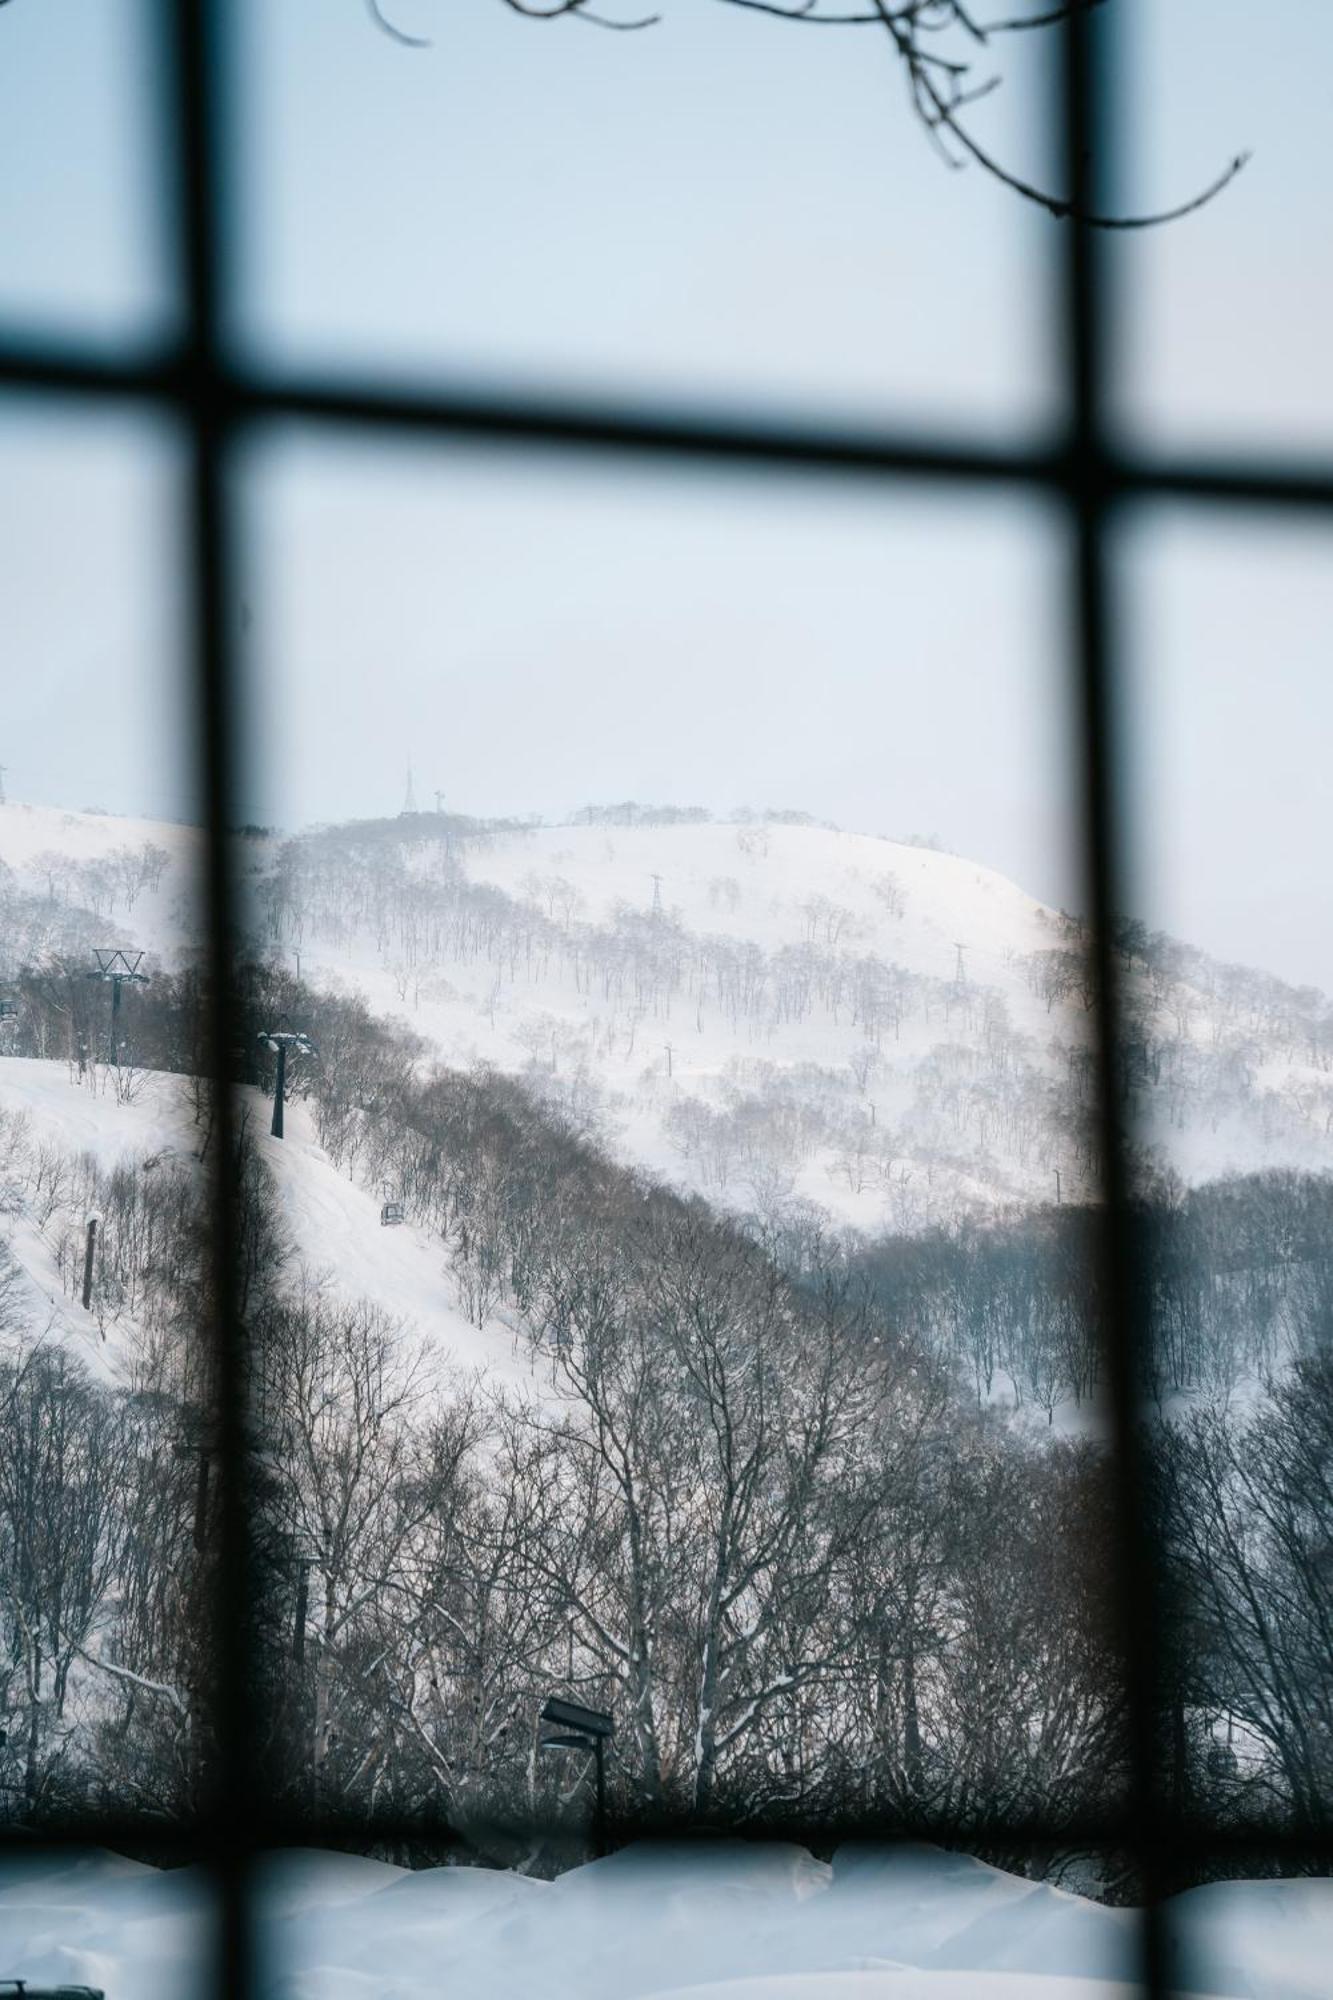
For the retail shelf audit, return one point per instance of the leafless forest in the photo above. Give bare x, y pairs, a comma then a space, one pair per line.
759, 1497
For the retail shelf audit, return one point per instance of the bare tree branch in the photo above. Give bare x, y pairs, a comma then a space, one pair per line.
617, 27
1021, 22
381, 20
172, 1694
942, 83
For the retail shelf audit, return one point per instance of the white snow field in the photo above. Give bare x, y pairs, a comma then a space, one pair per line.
725, 1921
334, 1225
767, 1013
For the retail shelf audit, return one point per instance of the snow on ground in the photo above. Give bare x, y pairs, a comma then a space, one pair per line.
164, 921
773, 887
725, 1921
950, 1120
758, 882
777, 886
70, 1117
339, 1236
334, 1225
967, 1105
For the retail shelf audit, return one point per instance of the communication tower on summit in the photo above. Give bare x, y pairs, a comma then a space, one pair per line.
409, 797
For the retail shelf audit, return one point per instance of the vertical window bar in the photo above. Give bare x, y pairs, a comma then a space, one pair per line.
193, 47
1087, 136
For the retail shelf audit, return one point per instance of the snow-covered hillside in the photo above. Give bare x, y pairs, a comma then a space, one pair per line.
728, 1922
62, 1137
797, 1022
781, 1016
65, 876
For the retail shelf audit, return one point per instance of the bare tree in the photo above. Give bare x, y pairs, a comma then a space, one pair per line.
59, 1473
338, 1387
1249, 1518
724, 1451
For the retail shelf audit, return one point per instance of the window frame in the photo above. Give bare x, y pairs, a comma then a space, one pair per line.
215, 403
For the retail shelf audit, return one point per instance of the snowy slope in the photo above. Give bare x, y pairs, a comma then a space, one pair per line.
162, 917
339, 1238
51, 1118
640, 1060
730, 1922
779, 1016
334, 1225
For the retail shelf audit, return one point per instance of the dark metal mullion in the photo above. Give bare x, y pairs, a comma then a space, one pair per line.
1089, 167
1306, 1849
368, 406
196, 117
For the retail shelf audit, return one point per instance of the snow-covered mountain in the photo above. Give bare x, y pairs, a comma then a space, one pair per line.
799, 1023
777, 1014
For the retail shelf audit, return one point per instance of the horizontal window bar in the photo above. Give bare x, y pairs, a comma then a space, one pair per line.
236, 398
1186, 1839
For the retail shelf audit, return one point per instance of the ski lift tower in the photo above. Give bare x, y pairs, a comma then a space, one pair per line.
118, 969
281, 1041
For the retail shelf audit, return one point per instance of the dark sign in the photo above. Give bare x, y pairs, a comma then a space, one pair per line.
571, 1715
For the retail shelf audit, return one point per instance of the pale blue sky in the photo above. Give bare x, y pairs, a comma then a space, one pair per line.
725, 207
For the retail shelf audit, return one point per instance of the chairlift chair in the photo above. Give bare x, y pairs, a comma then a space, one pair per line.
391, 1212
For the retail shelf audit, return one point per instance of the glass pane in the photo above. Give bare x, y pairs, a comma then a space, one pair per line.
707, 1918
724, 205
76, 1921
1274, 1933
1227, 316
627, 1070
97, 703
539, 633
105, 1520
82, 222
1226, 961
1228, 707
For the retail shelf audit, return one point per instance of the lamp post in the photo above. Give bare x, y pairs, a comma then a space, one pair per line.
589, 1730
90, 1252
204, 1443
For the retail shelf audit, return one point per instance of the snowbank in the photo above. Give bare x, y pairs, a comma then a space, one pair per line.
720, 1922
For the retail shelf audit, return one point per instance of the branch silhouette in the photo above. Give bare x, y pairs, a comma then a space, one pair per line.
939, 44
